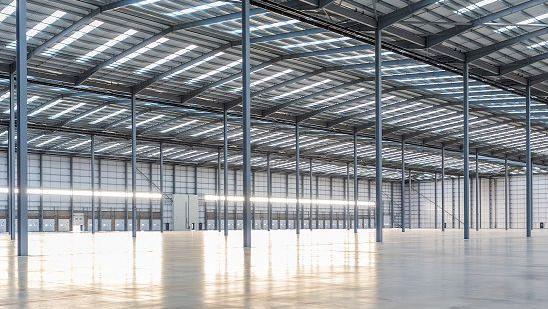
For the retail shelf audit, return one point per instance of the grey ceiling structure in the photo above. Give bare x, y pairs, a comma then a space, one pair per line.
312, 63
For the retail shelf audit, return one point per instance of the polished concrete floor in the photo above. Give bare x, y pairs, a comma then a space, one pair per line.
320, 269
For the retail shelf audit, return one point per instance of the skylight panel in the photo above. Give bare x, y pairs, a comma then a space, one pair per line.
75, 36
40, 26
108, 116
79, 144
48, 141
194, 65
7, 11
138, 52
68, 110
301, 89
166, 59
107, 147
30, 100
216, 71
207, 131
32, 140
145, 2
107, 45
331, 98
89, 114
362, 105
5, 96
184, 154
524, 22
537, 45
199, 8
179, 126
318, 42
337, 58
474, 6
147, 121
269, 25
45, 107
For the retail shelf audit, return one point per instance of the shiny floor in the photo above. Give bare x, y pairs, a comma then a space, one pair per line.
320, 269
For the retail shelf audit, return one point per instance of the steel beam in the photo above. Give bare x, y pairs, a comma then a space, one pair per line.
486, 50
529, 163
505, 69
133, 168
297, 175
402, 13
246, 122
465, 153
378, 137
92, 181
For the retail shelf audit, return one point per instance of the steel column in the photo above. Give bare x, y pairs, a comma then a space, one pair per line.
71, 198
478, 201
246, 118
331, 205
391, 204
269, 191
465, 153
355, 182
92, 180
286, 204
126, 212
458, 194
225, 173
133, 168
11, 159
529, 163
162, 187
402, 186
310, 185
409, 200
347, 198
419, 203
218, 192
443, 188
506, 191
297, 175
22, 164
378, 137
436, 200
99, 202
369, 207
41, 198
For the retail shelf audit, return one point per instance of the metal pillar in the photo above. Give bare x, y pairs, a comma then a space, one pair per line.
409, 199
133, 168
225, 173
355, 182
402, 186
458, 194
347, 198
11, 159
297, 174
71, 198
529, 163
378, 137
99, 202
162, 187
478, 200
436, 200
453, 203
317, 206
218, 191
41, 198
369, 207
419, 203
246, 117
126, 212
253, 226
269, 191
286, 205
490, 203
310, 185
465, 152
506, 191
92, 181
22, 164
330, 205
443, 188
392, 204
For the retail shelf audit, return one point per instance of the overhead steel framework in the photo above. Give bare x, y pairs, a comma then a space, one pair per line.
307, 76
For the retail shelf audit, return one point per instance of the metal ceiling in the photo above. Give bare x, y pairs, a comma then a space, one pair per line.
182, 59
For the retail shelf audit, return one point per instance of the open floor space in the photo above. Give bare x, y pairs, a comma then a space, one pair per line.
318, 269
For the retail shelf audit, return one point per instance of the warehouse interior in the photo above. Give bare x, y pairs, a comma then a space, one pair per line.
273, 153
